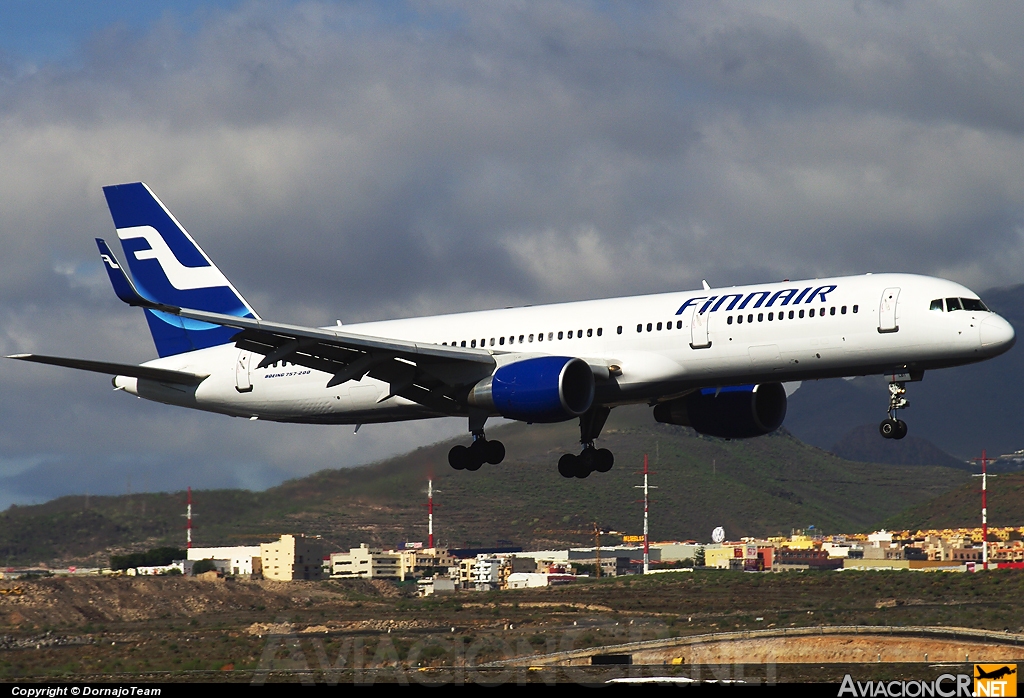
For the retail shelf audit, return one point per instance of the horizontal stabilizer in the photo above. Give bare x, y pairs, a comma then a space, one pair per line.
161, 375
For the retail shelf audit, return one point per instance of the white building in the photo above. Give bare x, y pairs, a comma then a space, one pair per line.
367, 563
487, 572
528, 580
236, 560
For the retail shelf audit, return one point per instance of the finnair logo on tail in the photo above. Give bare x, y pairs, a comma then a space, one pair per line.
181, 277
110, 262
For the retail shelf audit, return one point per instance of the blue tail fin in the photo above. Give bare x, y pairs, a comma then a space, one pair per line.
168, 267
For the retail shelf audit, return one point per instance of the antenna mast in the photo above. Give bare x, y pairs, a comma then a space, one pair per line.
430, 513
647, 503
984, 507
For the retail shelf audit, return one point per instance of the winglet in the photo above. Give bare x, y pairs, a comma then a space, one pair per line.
123, 286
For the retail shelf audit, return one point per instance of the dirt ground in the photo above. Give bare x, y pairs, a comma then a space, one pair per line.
832, 649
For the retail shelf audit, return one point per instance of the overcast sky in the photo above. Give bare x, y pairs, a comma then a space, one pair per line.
376, 160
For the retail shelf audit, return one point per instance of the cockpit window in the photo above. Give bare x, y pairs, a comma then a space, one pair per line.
936, 305
974, 304
953, 304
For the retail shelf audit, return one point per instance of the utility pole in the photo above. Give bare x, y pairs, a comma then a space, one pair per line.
984, 507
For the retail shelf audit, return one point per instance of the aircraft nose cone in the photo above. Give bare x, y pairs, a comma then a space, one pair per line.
997, 334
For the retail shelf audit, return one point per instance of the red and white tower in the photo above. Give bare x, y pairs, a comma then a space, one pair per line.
430, 513
188, 518
647, 505
984, 507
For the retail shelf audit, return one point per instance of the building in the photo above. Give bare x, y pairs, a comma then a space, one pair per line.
529, 580
366, 563
416, 562
429, 586
236, 560
293, 557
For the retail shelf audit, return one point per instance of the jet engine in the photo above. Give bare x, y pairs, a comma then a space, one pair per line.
541, 389
736, 412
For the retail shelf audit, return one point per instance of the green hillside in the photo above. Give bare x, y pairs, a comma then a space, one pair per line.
759, 486
961, 507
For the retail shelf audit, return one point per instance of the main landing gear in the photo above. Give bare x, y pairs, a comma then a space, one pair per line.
481, 451
893, 428
591, 459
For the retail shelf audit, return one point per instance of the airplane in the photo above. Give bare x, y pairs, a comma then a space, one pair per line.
714, 359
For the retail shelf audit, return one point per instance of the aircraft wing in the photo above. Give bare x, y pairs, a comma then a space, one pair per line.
161, 375
432, 375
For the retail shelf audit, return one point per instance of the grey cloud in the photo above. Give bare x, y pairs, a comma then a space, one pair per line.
338, 160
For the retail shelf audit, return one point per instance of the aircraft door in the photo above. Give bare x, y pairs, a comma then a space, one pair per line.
887, 310
699, 329
243, 382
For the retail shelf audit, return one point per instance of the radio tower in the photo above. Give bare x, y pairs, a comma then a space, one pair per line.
984, 507
430, 513
647, 502
188, 518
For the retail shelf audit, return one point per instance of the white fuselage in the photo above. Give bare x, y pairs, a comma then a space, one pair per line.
656, 345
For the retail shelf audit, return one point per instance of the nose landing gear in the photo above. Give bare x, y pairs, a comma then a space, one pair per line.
893, 428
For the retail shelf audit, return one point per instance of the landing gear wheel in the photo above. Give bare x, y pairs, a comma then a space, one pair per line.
887, 428
567, 465
458, 457
901, 429
495, 452
477, 454
585, 463
603, 460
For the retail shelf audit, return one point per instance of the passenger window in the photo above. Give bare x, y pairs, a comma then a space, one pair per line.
579, 334
501, 341
473, 344
492, 341
953, 304
463, 342
659, 327
811, 313
750, 317
618, 331
531, 337
771, 316
540, 337
679, 324
801, 313
668, 325
760, 317
842, 311
790, 314
728, 320
520, 339
590, 333
739, 319
649, 327
551, 335
832, 311
600, 331
855, 308
639, 328
560, 335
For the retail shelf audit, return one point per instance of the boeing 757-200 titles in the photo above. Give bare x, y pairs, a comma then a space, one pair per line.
713, 359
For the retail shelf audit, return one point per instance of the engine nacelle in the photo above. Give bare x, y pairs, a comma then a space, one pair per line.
736, 412
541, 389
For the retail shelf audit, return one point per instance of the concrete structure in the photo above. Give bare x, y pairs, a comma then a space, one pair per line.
414, 562
366, 563
674, 551
293, 557
527, 580
429, 586
238, 560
